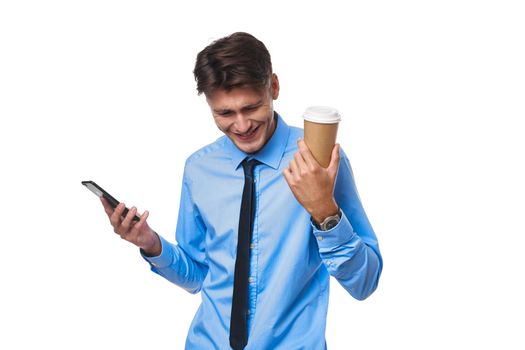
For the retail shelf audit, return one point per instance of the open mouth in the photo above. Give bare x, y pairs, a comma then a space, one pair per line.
249, 136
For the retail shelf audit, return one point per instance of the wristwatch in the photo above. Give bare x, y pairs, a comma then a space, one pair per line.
330, 222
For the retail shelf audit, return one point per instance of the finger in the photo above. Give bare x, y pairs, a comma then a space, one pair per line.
138, 224
288, 176
116, 217
334, 161
126, 223
135, 232
294, 169
307, 154
143, 218
301, 163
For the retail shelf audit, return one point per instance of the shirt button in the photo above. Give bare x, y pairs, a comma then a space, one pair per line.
319, 238
251, 279
252, 246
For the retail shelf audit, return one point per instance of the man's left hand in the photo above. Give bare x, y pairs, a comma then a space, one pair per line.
311, 184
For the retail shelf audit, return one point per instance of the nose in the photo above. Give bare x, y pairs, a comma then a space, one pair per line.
242, 124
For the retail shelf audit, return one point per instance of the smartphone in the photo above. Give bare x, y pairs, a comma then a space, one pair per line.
99, 191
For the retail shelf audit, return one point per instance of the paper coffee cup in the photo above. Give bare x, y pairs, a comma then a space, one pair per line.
320, 132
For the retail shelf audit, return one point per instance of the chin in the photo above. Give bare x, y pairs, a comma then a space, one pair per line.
250, 148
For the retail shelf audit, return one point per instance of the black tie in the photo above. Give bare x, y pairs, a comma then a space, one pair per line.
238, 329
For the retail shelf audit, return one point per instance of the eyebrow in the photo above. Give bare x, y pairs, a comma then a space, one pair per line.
249, 106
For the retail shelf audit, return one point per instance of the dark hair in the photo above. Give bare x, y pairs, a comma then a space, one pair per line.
236, 60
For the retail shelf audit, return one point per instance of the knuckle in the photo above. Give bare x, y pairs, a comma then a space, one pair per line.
114, 216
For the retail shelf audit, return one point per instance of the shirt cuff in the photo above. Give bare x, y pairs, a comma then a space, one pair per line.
341, 233
164, 259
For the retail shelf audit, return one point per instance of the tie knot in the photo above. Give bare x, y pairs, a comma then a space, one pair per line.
248, 166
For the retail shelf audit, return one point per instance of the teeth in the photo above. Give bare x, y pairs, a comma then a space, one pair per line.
246, 135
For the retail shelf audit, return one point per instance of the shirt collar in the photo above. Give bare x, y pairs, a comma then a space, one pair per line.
271, 154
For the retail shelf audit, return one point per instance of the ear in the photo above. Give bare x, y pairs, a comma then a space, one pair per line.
275, 86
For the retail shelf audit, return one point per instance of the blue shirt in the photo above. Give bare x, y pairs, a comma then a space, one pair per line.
290, 260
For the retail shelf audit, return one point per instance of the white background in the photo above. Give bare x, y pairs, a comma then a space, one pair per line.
432, 96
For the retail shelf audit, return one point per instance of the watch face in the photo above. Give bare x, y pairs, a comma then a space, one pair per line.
331, 224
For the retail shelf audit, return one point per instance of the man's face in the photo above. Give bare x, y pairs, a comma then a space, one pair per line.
245, 114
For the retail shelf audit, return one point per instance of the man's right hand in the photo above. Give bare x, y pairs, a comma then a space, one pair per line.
137, 232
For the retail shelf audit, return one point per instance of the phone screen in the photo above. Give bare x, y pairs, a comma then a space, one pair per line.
100, 192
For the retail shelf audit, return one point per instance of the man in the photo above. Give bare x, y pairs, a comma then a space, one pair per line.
252, 227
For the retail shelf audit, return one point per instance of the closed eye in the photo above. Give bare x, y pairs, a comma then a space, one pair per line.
252, 108
246, 109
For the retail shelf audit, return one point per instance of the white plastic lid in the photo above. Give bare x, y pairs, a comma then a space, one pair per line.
322, 115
